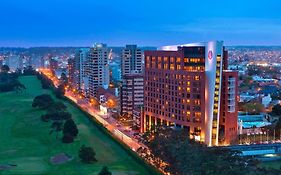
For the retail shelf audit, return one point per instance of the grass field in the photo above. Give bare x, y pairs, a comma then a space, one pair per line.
273, 164
26, 142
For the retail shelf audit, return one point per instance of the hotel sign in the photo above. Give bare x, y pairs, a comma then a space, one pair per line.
210, 55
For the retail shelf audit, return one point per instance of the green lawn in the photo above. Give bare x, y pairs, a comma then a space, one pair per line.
26, 142
273, 164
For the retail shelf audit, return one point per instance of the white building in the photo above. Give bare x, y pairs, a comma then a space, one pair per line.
266, 100
131, 60
82, 59
131, 93
98, 68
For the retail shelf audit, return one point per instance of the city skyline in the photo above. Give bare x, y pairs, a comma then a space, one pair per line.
69, 23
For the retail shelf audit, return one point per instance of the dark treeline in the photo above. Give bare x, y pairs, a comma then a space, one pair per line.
57, 115
182, 156
9, 81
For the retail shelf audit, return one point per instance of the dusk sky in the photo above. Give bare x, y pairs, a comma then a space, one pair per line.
27, 23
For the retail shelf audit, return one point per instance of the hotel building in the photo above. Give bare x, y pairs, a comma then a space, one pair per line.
189, 86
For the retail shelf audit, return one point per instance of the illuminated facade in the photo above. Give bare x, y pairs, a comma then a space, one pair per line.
98, 68
131, 93
71, 71
82, 72
131, 61
187, 86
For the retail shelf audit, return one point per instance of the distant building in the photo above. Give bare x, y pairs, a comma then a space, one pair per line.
98, 68
131, 93
54, 65
115, 71
265, 100
188, 86
131, 60
20, 62
82, 70
252, 124
1, 62
246, 97
71, 72
42, 62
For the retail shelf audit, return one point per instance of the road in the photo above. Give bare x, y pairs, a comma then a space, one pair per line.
107, 121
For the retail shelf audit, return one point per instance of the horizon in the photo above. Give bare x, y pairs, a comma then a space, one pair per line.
141, 46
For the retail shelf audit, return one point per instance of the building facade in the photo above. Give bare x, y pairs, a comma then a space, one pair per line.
131, 60
98, 68
82, 70
71, 71
184, 87
131, 93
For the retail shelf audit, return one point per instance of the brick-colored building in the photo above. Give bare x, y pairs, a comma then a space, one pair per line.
188, 86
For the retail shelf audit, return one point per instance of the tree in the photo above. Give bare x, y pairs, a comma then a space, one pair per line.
105, 171
67, 138
18, 87
63, 79
87, 154
42, 101
57, 107
173, 151
254, 108
70, 129
276, 110
29, 71
56, 127
5, 68
59, 91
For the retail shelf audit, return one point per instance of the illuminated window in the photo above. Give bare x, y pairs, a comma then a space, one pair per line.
178, 60
172, 59
197, 114
159, 59
147, 65
147, 58
197, 78
197, 102
188, 89
153, 62
159, 66
186, 60
165, 66
172, 67
178, 67
188, 116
